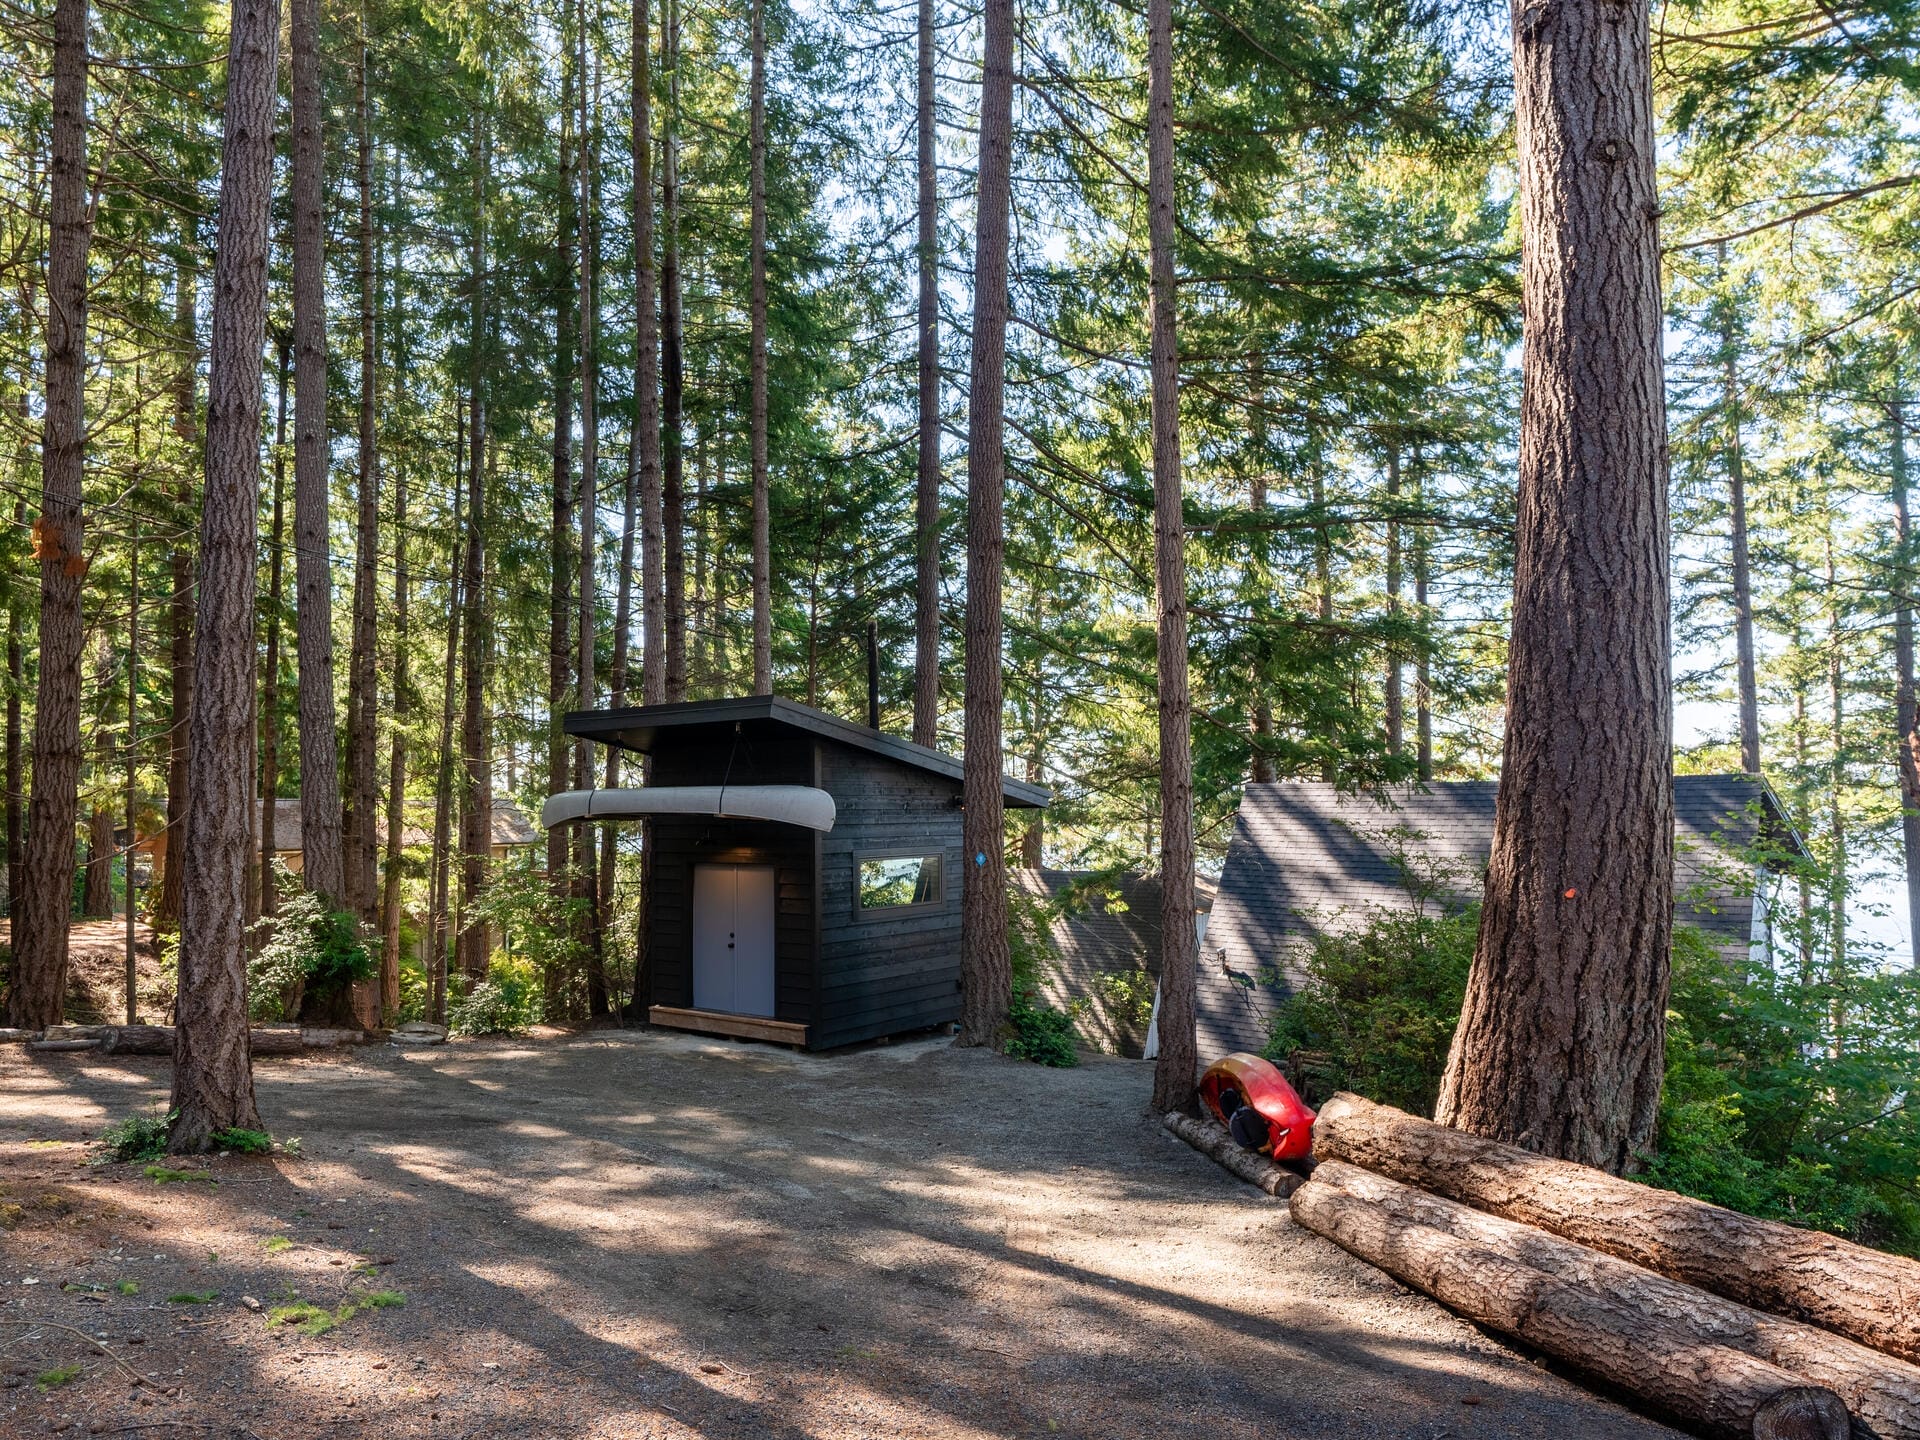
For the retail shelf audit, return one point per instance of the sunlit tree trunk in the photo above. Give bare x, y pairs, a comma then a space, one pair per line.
45, 897
926, 626
475, 943
1906, 710
186, 428
404, 703
560, 636
1561, 1040
439, 883
757, 360
212, 1067
672, 368
1395, 701
585, 887
986, 962
1423, 665
1175, 1070
322, 860
644, 472
1839, 968
1745, 672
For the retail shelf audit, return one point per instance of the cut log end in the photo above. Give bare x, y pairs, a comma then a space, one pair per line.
1806, 1413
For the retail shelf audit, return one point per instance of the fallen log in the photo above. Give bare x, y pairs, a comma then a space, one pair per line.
13, 1035
1218, 1146
1711, 1387
1881, 1393
158, 1040
58, 1047
276, 1042
1852, 1290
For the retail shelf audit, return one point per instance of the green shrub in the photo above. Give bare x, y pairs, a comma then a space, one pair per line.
138, 1137
1380, 1004
239, 1141
307, 943
506, 1002
1041, 1034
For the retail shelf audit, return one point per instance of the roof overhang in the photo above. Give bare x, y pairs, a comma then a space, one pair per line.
783, 804
641, 728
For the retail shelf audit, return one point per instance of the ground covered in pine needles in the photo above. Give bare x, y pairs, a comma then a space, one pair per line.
646, 1234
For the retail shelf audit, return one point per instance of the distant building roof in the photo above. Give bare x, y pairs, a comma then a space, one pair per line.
1302, 853
510, 826
638, 727
1109, 922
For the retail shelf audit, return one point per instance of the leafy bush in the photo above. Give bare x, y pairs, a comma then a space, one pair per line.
138, 1137
1035, 1030
308, 943
506, 1002
1380, 1005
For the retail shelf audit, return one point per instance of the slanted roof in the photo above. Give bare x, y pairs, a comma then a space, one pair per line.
1302, 854
640, 727
1108, 923
510, 826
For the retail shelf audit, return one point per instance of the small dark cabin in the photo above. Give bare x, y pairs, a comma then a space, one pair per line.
777, 931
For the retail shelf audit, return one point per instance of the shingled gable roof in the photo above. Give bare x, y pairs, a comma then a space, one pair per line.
510, 825
639, 727
1303, 854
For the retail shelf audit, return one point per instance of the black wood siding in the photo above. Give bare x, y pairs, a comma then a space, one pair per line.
883, 972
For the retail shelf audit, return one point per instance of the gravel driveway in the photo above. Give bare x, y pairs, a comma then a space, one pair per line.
649, 1234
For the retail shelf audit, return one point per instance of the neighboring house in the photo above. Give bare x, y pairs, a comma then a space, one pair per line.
511, 829
1306, 859
1106, 929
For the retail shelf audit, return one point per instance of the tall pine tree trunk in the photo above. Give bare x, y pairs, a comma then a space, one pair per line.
757, 358
1906, 710
360, 770
986, 962
403, 706
1395, 697
585, 888
926, 603
1423, 664
212, 1069
1561, 1040
323, 866
1261, 768
130, 974
1746, 678
475, 943
96, 896
270, 682
1175, 1070
672, 370
16, 745
439, 884
166, 914
45, 898
644, 471
560, 645
1323, 593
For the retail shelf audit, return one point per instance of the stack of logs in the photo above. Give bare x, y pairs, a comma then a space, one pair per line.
1732, 1325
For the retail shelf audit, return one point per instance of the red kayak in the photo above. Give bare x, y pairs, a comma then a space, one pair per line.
1260, 1109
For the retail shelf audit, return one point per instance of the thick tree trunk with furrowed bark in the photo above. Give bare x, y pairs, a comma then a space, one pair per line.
322, 863
1712, 1387
186, 428
1800, 1274
1562, 1036
1881, 1392
270, 681
986, 962
1175, 1070
42, 904
212, 1069
926, 605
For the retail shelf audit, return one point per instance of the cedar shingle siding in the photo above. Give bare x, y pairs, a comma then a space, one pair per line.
1305, 859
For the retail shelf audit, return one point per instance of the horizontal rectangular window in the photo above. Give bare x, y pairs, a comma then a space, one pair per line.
891, 882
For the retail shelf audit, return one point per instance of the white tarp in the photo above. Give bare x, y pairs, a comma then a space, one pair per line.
788, 804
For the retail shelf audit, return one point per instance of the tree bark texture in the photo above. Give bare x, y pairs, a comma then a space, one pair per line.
16, 746
672, 367
474, 946
1746, 680
180, 601
439, 881
560, 645
1800, 1274
1423, 665
212, 1068
585, 886
130, 955
1395, 696
1712, 1387
270, 681
1175, 1070
1882, 1393
757, 360
1243, 1164
322, 861
404, 704
926, 605
358, 846
645, 469
96, 895
1562, 1035
1906, 709
41, 908
986, 962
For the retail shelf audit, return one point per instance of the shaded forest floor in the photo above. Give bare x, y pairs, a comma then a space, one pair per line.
97, 972
650, 1234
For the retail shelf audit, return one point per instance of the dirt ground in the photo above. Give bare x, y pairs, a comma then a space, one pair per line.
647, 1234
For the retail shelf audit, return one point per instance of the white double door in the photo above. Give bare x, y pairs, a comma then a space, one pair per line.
733, 938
